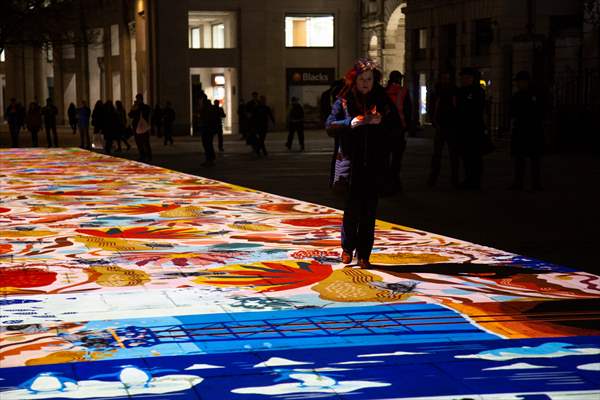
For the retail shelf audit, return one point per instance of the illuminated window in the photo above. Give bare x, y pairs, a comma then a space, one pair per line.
195, 38
2, 56
212, 29
309, 31
218, 36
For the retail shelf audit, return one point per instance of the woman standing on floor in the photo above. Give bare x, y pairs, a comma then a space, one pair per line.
363, 117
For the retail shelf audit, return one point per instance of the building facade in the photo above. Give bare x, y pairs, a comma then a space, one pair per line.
171, 50
422, 38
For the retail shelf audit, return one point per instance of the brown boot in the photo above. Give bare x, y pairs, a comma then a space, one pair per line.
346, 257
364, 263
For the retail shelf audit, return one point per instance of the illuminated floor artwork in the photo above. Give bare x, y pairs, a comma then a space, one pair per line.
121, 279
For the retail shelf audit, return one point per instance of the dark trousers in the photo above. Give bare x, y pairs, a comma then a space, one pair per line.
260, 144
296, 127
14, 134
84, 136
220, 139
473, 164
358, 231
51, 133
536, 174
442, 137
209, 149
108, 142
168, 134
142, 140
34, 137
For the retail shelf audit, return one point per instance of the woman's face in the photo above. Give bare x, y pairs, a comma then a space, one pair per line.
364, 82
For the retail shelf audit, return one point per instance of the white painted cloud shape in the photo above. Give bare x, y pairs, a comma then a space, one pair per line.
280, 362
590, 367
356, 362
95, 389
546, 350
203, 366
517, 366
290, 388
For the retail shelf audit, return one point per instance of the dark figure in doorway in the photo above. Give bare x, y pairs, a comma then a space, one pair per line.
140, 116
157, 121
470, 106
328, 98
398, 94
263, 115
12, 117
34, 122
242, 119
527, 141
443, 112
206, 127
122, 133
97, 116
364, 117
252, 120
110, 126
72, 115
83, 121
295, 124
49, 113
217, 115
168, 121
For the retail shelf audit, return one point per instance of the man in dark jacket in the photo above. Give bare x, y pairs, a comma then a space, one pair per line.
444, 120
49, 113
262, 115
470, 106
12, 117
527, 141
168, 121
295, 124
140, 115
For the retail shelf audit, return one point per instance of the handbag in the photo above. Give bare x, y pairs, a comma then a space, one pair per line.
143, 126
97, 141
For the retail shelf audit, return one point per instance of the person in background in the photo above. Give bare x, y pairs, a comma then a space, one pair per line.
470, 107
444, 121
12, 117
83, 122
218, 115
263, 115
398, 94
252, 120
363, 117
140, 116
110, 126
328, 98
168, 121
122, 134
49, 113
295, 124
157, 120
72, 116
242, 119
527, 141
34, 121
206, 127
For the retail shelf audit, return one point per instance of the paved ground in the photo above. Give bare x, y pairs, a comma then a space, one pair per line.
558, 225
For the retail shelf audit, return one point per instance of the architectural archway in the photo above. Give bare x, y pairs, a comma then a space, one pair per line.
395, 36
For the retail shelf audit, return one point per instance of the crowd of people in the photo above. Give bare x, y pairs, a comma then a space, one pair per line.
456, 113
369, 123
112, 126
